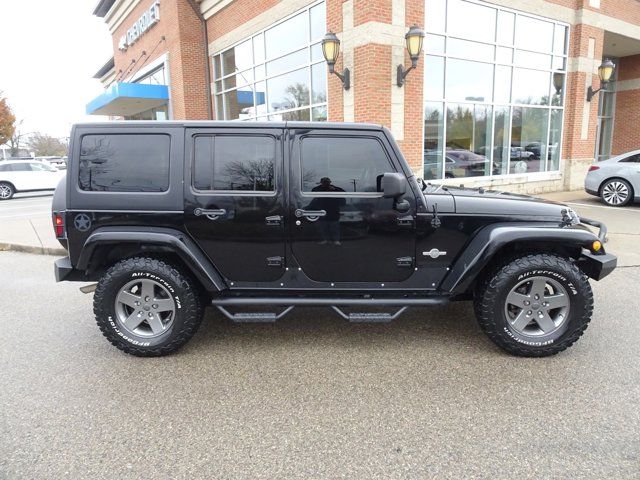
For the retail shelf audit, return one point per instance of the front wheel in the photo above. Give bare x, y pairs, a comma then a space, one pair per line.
6, 191
147, 307
534, 305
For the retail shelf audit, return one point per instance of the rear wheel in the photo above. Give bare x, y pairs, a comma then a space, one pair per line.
535, 305
6, 191
147, 307
616, 192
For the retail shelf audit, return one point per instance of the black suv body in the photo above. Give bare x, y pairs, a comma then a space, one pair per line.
179, 215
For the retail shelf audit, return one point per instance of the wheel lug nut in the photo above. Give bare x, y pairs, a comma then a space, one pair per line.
529, 312
537, 297
527, 302
146, 299
137, 303
155, 305
150, 314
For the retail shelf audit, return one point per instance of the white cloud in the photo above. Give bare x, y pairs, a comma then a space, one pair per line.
49, 53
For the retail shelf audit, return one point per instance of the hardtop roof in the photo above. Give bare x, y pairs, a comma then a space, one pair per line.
229, 124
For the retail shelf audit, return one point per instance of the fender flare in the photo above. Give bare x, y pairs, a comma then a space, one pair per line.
174, 240
489, 240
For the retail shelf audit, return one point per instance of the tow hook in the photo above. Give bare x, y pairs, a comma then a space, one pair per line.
89, 288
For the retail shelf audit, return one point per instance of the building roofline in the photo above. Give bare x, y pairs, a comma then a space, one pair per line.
103, 7
109, 65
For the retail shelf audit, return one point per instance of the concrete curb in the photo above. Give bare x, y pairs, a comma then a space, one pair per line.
13, 247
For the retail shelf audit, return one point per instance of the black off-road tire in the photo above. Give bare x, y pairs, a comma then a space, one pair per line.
183, 290
491, 295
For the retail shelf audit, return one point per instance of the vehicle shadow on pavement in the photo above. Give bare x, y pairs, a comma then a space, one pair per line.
445, 328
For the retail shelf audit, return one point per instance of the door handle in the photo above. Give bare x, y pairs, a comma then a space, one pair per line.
273, 221
210, 214
311, 215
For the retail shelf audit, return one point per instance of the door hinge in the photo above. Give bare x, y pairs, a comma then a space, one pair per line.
273, 220
405, 221
275, 261
404, 261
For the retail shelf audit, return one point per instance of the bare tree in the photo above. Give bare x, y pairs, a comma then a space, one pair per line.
45, 145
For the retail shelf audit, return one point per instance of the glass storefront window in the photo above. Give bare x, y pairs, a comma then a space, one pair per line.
501, 109
529, 127
280, 70
433, 135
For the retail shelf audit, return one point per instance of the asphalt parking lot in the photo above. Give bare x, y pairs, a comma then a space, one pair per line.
312, 396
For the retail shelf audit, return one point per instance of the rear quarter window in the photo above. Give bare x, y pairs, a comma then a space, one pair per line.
124, 163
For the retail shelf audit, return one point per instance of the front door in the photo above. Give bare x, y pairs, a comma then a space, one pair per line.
342, 229
234, 200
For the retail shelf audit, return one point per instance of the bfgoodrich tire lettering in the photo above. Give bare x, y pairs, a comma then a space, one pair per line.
513, 326
181, 319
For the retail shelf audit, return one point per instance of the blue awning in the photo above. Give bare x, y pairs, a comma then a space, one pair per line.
125, 99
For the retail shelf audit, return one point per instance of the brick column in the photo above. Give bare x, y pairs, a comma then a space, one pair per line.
580, 116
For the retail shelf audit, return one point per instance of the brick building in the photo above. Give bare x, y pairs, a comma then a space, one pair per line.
499, 96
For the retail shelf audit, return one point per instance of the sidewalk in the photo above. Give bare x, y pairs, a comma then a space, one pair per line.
35, 235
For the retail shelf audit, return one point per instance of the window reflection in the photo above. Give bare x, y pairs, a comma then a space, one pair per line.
468, 140
433, 134
468, 80
504, 77
293, 78
529, 139
531, 87
471, 20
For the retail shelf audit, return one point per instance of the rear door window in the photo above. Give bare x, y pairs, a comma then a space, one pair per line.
124, 163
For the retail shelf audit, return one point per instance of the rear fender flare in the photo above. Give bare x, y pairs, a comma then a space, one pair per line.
491, 239
174, 240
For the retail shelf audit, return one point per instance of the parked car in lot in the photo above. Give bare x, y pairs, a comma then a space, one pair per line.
27, 176
169, 217
616, 180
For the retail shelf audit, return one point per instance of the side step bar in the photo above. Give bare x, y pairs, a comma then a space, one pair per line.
334, 303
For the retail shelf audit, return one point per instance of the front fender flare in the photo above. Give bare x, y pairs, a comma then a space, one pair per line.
489, 240
174, 240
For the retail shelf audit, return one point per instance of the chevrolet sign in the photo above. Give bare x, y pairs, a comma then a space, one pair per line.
144, 23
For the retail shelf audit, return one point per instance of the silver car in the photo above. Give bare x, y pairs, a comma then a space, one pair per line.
617, 180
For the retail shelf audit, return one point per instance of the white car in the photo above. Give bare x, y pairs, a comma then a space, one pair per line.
27, 176
617, 180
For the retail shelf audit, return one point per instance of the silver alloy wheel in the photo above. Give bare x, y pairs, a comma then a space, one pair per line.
537, 306
144, 308
615, 193
5, 192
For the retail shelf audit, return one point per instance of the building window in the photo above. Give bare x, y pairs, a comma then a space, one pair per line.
493, 89
277, 74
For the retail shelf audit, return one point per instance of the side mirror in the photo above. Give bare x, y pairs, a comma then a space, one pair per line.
394, 185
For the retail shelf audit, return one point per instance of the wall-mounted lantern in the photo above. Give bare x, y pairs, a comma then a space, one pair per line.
605, 72
414, 39
331, 51
558, 82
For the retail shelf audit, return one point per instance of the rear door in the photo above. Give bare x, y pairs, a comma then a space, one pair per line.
234, 199
342, 229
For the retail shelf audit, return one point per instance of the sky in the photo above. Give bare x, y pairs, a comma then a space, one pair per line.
49, 52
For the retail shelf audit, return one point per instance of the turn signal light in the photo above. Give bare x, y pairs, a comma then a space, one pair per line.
593, 168
58, 225
596, 246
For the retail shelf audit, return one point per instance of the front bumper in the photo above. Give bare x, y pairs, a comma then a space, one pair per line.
597, 266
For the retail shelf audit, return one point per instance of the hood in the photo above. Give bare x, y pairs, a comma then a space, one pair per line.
494, 202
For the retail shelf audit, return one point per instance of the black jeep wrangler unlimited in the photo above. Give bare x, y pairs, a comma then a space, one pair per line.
169, 217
